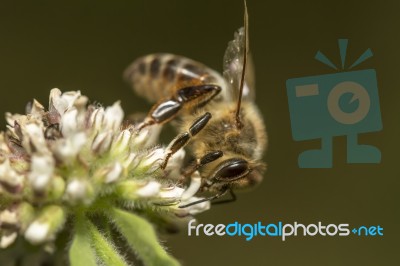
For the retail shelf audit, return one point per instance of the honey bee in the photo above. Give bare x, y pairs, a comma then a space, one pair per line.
217, 116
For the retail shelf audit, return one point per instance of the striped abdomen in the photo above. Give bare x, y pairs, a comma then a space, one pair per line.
158, 76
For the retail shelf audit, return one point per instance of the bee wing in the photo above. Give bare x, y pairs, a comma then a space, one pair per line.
233, 61
233, 66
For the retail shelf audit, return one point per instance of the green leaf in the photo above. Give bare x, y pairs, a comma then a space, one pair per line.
104, 249
141, 237
81, 252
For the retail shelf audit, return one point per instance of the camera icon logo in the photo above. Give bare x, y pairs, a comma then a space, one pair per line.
339, 104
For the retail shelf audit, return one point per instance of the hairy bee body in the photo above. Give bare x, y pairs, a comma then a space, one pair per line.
158, 76
217, 116
221, 133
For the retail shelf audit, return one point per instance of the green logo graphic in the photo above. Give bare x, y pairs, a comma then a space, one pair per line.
343, 103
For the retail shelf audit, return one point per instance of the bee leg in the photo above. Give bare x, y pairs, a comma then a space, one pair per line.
232, 199
208, 158
220, 194
161, 113
195, 178
183, 138
166, 109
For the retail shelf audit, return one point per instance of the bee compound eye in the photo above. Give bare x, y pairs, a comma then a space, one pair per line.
232, 169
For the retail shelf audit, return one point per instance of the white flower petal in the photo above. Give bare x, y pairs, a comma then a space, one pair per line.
34, 135
172, 192
149, 190
11, 118
76, 190
196, 208
55, 95
128, 162
147, 136
156, 156
7, 239
195, 183
37, 232
175, 164
67, 149
102, 142
122, 141
96, 118
114, 173
8, 217
61, 102
36, 108
113, 116
34, 131
9, 176
69, 123
42, 168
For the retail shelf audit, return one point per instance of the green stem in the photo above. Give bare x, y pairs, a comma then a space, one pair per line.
141, 237
81, 252
104, 249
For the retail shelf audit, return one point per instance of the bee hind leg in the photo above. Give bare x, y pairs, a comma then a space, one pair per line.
166, 109
183, 138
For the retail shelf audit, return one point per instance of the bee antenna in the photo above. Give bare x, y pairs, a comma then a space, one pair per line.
245, 49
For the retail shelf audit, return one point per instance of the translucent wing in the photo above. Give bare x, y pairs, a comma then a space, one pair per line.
234, 60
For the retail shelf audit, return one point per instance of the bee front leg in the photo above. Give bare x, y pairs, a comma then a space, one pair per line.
195, 178
231, 199
208, 158
166, 109
183, 139
220, 194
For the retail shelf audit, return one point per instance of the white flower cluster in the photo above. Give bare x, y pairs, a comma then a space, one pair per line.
74, 155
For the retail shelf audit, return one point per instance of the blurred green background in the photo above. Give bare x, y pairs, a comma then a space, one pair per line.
87, 44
